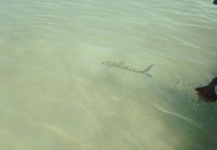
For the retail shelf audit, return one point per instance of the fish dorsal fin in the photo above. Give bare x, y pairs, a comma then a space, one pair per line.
148, 69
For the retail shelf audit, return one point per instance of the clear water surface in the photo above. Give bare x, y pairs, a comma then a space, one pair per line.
55, 93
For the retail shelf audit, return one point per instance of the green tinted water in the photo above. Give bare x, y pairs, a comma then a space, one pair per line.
56, 94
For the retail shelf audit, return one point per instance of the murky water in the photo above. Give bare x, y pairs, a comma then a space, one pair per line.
55, 93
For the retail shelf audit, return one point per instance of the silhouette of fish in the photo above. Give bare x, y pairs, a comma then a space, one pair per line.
123, 66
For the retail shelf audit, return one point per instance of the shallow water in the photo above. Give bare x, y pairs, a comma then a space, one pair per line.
55, 93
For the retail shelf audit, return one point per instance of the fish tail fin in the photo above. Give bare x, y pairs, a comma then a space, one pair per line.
148, 69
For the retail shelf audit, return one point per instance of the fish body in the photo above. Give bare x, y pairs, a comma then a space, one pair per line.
123, 66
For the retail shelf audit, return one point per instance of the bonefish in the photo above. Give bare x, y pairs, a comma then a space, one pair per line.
123, 66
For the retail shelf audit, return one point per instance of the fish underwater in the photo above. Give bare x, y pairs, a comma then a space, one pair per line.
123, 66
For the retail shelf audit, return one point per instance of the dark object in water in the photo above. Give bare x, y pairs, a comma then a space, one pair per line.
208, 93
215, 2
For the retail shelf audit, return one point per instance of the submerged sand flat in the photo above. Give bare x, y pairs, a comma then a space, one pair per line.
56, 94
